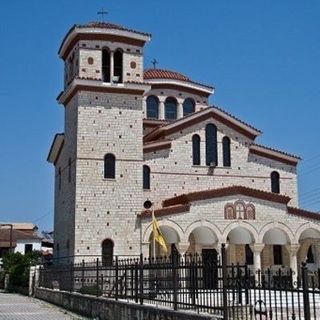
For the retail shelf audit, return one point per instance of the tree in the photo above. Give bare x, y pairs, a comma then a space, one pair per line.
18, 267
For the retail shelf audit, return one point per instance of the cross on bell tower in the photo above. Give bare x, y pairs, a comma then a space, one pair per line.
102, 12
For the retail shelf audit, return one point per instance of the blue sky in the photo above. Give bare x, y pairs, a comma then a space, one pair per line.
262, 57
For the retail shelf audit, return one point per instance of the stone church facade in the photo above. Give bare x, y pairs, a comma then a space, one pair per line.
132, 134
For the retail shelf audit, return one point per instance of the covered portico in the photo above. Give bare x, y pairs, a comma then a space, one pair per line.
257, 227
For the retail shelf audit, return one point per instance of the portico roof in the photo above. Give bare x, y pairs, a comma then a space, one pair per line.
228, 191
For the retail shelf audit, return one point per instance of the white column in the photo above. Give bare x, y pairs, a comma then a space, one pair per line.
182, 247
144, 107
257, 249
317, 253
161, 110
293, 250
179, 110
111, 65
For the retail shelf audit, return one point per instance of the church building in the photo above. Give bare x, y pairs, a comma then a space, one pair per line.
133, 134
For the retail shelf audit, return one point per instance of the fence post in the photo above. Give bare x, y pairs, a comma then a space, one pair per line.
305, 288
117, 276
224, 281
97, 276
141, 278
82, 273
174, 280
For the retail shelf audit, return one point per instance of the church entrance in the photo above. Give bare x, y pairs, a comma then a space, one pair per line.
210, 269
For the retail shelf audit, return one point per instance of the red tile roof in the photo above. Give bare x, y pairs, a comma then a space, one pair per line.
180, 208
108, 25
150, 74
278, 151
201, 115
304, 213
222, 192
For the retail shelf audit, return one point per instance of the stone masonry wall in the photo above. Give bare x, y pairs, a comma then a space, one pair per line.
107, 208
64, 197
172, 171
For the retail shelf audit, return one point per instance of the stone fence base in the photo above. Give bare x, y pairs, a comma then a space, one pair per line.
109, 309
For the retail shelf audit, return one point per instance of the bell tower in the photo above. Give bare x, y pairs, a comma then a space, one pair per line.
98, 158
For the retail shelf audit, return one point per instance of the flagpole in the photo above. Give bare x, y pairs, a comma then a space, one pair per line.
154, 236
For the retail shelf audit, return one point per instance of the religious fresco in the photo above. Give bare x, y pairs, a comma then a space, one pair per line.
239, 210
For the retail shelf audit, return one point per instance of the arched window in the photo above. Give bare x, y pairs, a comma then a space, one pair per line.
105, 65
152, 107
146, 177
226, 152
188, 106
170, 109
109, 166
69, 170
211, 145
107, 252
117, 72
275, 182
59, 178
196, 150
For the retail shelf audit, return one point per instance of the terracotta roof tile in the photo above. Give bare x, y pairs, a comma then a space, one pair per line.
108, 25
170, 75
201, 115
278, 151
235, 118
166, 211
304, 213
222, 192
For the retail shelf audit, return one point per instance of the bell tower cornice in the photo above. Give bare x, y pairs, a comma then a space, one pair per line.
98, 86
101, 31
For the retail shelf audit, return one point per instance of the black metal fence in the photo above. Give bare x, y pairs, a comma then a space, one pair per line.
195, 283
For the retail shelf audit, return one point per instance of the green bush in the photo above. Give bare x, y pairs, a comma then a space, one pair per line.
18, 266
92, 290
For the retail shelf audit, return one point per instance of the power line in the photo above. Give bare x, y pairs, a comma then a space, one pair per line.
311, 191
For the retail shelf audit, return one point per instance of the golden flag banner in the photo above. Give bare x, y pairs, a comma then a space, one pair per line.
157, 234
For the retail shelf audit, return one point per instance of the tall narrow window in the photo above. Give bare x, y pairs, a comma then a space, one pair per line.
188, 106
152, 107
277, 254
59, 179
170, 109
105, 65
69, 170
109, 166
107, 252
275, 182
146, 177
211, 145
117, 73
226, 152
196, 150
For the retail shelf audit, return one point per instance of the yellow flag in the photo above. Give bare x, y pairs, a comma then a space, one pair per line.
157, 234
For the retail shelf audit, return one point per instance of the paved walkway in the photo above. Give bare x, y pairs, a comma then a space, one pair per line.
18, 307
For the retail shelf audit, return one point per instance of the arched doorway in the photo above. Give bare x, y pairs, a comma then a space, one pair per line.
204, 241
107, 252
275, 253
239, 251
309, 251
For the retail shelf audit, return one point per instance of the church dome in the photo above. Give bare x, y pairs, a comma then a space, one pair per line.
164, 74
